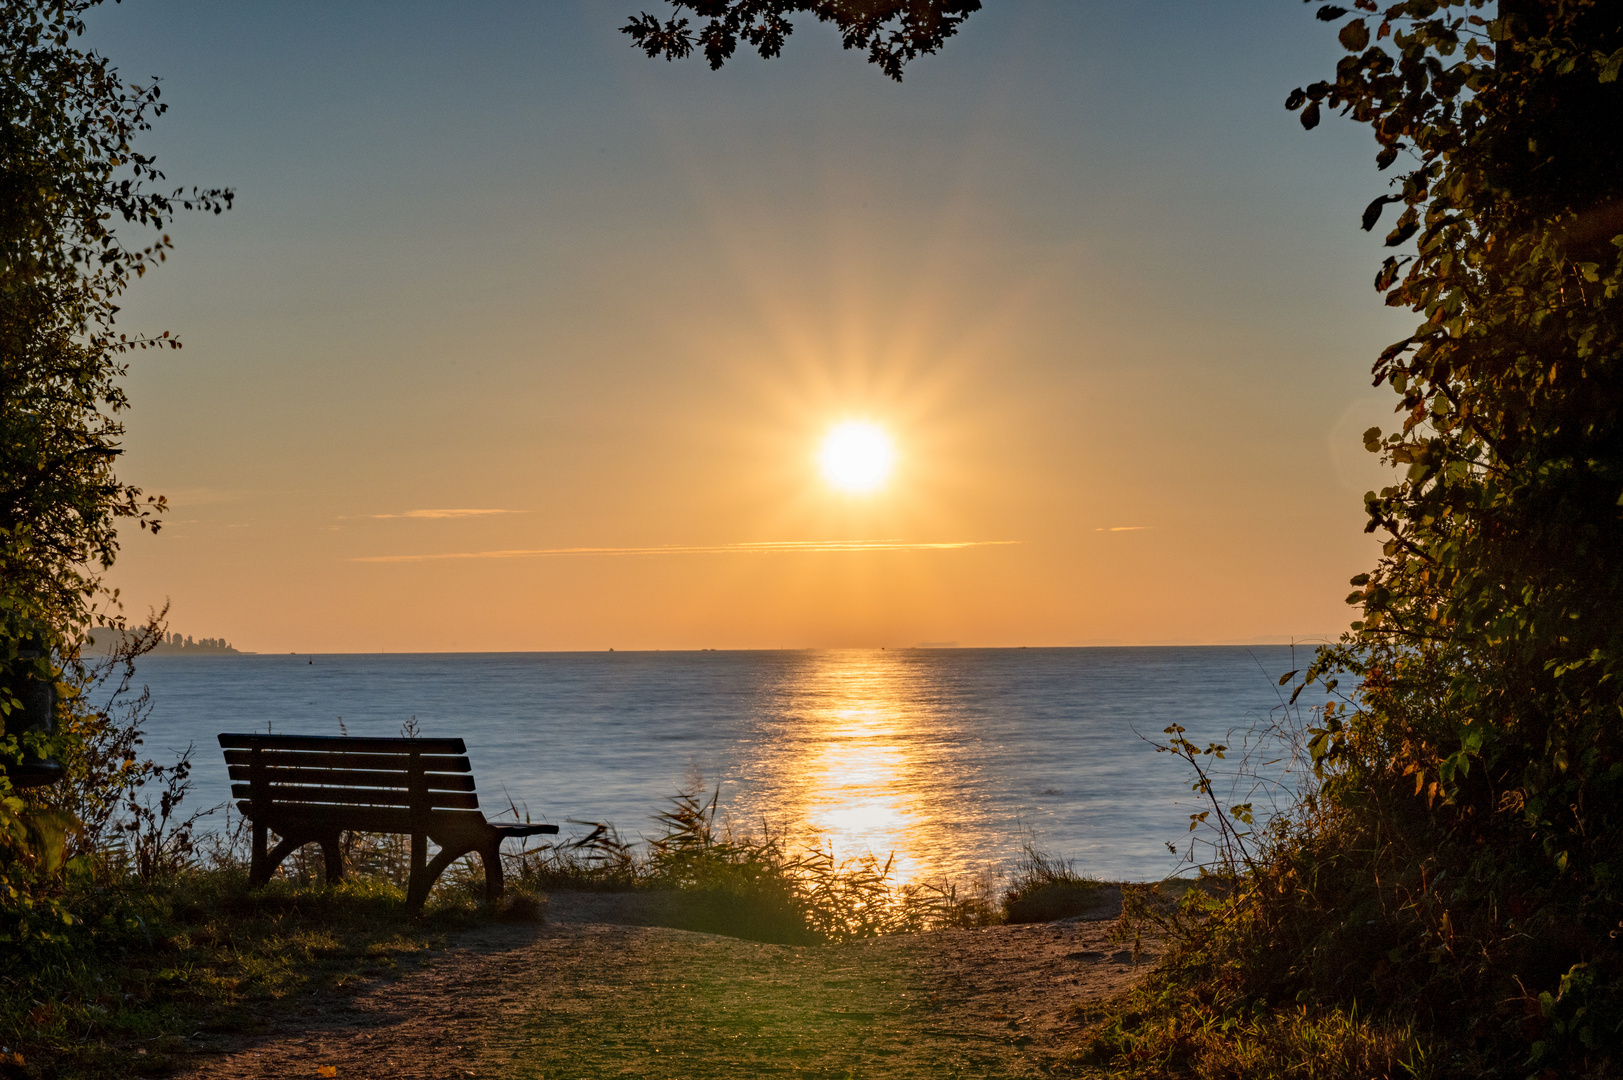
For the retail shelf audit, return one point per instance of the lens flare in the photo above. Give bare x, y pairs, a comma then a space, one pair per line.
856, 456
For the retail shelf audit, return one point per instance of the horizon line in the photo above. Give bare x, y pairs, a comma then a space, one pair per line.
1269, 641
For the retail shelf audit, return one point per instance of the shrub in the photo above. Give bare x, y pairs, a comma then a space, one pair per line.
1045, 888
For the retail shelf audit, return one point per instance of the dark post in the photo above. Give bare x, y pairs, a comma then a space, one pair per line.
38, 716
417, 788
259, 802
332, 851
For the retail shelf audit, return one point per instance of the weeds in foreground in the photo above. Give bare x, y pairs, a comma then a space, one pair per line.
1234, 994
1162, 1029
752, 885
1197, 1014
1044, 888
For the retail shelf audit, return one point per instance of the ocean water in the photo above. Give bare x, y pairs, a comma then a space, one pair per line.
945, 758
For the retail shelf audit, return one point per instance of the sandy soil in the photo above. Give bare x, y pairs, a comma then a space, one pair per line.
603, 990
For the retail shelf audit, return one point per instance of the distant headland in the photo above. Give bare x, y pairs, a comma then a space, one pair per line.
103, 640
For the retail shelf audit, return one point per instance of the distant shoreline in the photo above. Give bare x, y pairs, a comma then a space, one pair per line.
198, 651
104, 641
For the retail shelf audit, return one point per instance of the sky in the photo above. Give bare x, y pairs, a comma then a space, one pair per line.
1108, 300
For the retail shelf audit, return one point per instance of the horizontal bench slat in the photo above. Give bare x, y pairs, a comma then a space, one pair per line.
371, 778
326, 758
349, 796
247, 741
293, 818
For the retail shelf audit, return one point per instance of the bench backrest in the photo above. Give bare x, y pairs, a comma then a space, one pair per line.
370, 785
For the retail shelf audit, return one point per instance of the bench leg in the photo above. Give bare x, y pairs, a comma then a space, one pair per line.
263, 865
423, 883
419, 859
492, 858
258, 872
333, 855
287, 846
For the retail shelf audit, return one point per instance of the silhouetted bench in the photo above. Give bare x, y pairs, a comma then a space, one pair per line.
310, 788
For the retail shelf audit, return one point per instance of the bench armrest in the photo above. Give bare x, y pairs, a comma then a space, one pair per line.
523, 830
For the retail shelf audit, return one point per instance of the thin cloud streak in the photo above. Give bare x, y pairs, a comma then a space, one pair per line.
758, 548
1125, 528
443, 513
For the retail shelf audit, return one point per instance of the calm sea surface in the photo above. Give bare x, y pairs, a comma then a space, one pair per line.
941, 757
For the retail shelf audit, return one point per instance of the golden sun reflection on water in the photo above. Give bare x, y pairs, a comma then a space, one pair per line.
858, 762
855, 786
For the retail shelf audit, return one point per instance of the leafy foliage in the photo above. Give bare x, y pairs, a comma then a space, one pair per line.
1457, 870
71, 174
893, 32
69, 177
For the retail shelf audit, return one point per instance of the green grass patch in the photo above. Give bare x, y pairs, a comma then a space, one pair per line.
159, 967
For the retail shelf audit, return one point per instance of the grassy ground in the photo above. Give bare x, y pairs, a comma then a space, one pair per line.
197, 951
203, 953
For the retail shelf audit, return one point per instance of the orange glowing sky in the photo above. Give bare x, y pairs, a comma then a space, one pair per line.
517, 340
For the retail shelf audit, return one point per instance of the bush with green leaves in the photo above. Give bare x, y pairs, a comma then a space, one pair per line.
1476, 785
1458, 870
1449, 895
70, 179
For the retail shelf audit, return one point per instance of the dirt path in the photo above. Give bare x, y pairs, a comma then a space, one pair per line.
599, 992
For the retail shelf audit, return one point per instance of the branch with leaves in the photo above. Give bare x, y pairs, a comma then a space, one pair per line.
892, 32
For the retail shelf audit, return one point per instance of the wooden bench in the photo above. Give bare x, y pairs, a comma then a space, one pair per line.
310, 788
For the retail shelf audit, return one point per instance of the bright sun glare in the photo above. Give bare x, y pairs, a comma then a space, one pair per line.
856, 456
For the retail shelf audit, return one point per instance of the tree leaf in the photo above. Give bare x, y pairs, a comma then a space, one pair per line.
1372, 212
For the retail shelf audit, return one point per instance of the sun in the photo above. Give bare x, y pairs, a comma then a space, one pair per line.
856, 456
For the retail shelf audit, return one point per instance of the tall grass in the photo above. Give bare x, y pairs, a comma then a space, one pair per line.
1163, 1031
1045, 887
752, 884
